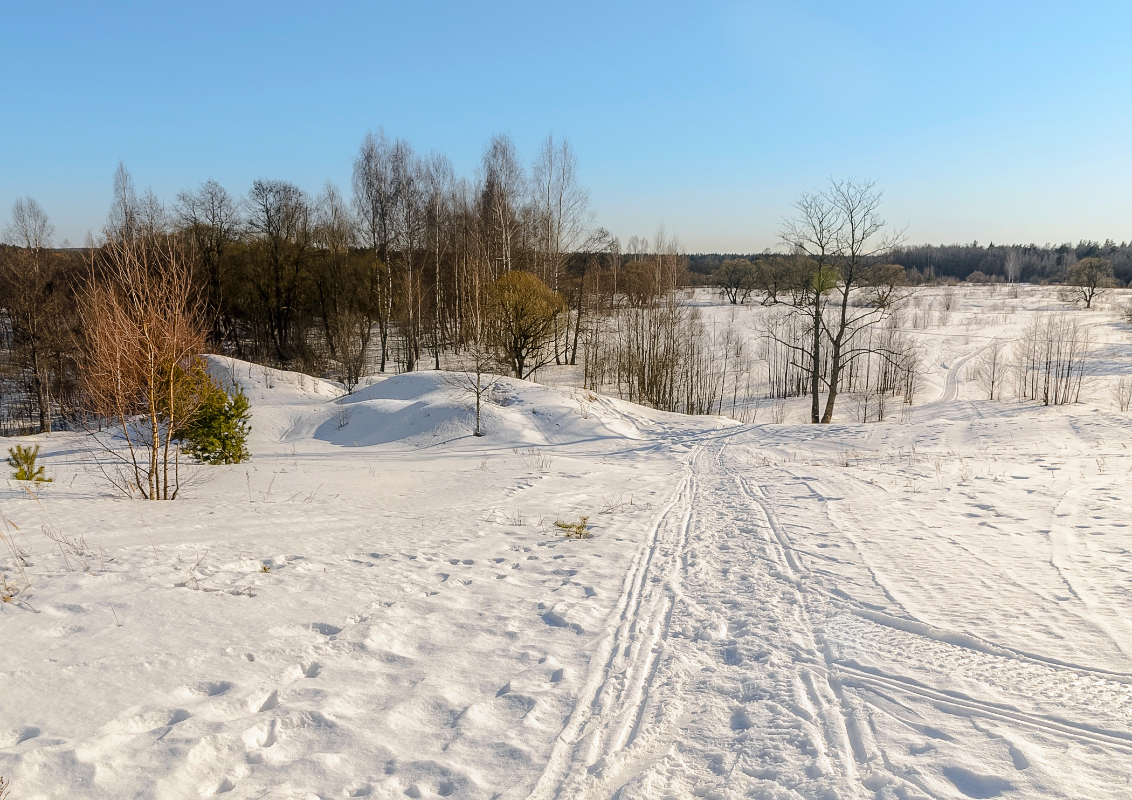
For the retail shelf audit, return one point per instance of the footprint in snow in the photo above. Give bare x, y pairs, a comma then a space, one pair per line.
740, 720
975, 785
210, 689
11, 738
149, 721
556, 620
260, 703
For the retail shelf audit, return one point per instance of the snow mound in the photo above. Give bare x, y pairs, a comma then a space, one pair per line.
425, 408
286, 406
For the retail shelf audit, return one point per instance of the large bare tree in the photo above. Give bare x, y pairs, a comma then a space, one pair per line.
375, 202
410, 214
503, 188
338, 270
841, 283
439, 180
560, 207
1088, 279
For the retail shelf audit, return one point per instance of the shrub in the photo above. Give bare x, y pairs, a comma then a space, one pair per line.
22, 460
217, 433
574, 530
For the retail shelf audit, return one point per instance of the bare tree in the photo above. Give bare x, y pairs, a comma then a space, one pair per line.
375, 202
28, 279
409, 225
561, 207
477, 379
132, 216
862, 245
736, 278
842, 282
337, 271
1013, 266
990, 368
439, 179
813, 233
1051, 359
143, 330
504, 185
210, 220
280, 230
774, 275
122, 222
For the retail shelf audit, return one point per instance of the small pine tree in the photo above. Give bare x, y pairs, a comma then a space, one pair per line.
218, 431
22, 460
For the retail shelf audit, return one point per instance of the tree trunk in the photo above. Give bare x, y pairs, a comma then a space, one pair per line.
815, 367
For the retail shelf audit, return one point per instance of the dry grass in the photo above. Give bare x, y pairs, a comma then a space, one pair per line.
574, 530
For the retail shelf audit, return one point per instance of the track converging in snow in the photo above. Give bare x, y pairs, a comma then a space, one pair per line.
739, 667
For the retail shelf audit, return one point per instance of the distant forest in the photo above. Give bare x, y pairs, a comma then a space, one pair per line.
974, 262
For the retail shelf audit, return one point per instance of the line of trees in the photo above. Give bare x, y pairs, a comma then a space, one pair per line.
402, 268
418, 263
973, 262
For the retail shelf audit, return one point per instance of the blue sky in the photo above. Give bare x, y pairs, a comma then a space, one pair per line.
980, 120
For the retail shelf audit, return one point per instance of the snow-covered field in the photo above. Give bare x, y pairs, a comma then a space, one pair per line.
379, 604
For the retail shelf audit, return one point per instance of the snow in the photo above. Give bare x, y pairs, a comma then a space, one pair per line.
379, 603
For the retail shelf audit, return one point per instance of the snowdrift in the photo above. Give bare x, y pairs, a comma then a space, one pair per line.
425, 408
422, 409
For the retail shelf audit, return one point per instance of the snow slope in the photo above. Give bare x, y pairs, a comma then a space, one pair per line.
937, 606
423, 628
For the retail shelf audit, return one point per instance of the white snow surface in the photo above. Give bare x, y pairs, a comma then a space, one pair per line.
379, 603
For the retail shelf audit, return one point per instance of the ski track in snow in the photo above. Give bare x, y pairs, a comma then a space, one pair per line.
742, 674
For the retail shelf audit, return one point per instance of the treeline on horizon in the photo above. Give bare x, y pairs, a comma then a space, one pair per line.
973, 262
387, 274
406, 265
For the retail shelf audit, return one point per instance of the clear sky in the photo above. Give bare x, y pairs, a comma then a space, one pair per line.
1003, 121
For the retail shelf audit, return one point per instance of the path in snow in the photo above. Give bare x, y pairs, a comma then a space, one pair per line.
739, 667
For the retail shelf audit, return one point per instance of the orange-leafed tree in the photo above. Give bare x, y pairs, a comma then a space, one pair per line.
144, 328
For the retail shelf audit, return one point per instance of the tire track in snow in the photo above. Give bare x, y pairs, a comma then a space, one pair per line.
902, 656
607, 716
841, 721
951, 382
966, 706
738, 694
